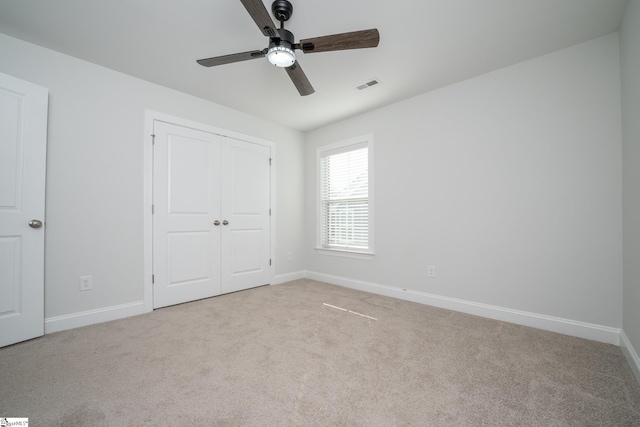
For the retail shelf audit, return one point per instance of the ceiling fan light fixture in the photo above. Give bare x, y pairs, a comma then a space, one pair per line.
281, 56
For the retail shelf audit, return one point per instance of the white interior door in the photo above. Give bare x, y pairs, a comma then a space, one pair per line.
23, 145
246, 196
186, 198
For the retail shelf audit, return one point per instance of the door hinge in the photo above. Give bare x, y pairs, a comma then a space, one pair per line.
269, 161
153, 139
269, 211
153, 209
269, 261
153, 279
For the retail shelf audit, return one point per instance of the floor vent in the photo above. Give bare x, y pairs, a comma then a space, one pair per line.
368, 84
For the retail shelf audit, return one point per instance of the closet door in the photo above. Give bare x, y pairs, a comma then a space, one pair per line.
186, 198
246, 180
211, 220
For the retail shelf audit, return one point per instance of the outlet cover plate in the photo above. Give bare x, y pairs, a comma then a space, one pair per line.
86, 283
431, 271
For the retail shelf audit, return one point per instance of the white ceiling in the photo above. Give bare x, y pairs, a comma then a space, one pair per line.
424, 45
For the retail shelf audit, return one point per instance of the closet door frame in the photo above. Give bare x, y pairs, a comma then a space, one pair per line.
150, 117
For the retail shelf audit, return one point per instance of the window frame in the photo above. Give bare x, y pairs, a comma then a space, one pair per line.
343, 146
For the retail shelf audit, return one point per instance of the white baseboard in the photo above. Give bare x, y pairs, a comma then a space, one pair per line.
287, 277
574, 328
90, 317
631, 354
555, 324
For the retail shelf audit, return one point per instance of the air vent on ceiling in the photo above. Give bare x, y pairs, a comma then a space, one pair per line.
368, 84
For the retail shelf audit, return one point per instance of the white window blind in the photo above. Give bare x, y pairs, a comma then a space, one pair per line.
344, 194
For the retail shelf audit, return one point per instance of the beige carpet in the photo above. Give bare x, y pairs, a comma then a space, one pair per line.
278, 356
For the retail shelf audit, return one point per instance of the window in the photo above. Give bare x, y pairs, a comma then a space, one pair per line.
345, 197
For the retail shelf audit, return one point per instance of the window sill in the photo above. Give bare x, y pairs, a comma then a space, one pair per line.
345, 253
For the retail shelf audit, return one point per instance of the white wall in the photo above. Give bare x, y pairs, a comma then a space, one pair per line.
95, 174
509, 183
630, 72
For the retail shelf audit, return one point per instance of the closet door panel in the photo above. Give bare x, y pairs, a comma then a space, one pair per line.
245, 206
186, 247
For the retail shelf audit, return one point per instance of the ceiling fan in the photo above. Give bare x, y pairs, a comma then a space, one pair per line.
282, 43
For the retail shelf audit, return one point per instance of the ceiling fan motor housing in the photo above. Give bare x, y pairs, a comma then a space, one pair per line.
280, 52
285, 38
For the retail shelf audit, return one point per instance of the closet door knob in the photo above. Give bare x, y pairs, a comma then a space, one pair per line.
225, 222
216, 222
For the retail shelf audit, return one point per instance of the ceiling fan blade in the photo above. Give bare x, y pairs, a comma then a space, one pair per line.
228, 59
261, 17
343, 41
300, 80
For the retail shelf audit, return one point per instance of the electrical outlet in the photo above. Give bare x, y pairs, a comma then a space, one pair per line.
290, 256
86, 283
431, 271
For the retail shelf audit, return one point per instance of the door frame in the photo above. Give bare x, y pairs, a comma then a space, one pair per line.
150, 117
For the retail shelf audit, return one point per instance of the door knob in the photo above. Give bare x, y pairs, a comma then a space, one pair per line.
34, 223
225, 222
216, 222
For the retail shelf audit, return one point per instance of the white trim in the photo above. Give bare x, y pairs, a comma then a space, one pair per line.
574, 328
91, 317
631, 354
288, 277
146, 214
150, 117
274, 210
345, 253
179, 121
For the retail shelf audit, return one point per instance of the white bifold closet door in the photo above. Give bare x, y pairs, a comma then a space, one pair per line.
211, 214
